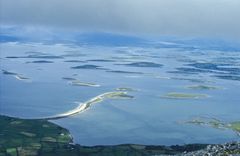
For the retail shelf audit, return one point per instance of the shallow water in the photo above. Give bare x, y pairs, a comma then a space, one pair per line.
147, 118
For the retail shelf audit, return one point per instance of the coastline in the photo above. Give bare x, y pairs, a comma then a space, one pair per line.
85, 105
41, 137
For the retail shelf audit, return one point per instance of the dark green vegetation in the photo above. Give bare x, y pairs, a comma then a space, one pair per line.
235, 126
30, 137
143, 64
40, 137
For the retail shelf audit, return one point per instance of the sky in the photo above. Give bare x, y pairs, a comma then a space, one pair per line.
196, 18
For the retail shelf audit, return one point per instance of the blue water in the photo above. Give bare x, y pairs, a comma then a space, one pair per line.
146, 119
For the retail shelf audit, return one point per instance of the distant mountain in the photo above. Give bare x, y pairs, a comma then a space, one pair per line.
109, 39
113, 39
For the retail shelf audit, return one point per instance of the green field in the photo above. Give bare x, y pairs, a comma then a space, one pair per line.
40, 137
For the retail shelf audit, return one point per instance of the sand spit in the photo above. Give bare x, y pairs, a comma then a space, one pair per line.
84, 106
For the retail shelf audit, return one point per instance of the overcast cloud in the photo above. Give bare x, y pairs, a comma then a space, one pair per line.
214, 18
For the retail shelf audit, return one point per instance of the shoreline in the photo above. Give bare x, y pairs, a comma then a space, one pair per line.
86, 105
41, 137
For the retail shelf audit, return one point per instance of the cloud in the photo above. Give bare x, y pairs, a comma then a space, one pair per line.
215, 18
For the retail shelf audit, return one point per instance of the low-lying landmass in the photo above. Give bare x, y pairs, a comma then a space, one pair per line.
195, 80
143, 64
80, 83
175, 95
16, 75
75, 61
88, 66
8, 72
101, 60
76, 82
31, 137
215, 123
36, 56
40, 61
203, 87
124, 72
126, 89
69, 78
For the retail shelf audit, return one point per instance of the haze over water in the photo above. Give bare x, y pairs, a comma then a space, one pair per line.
125, 71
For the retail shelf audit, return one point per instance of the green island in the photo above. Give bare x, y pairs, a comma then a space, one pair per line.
16, 75
76, 82
87, 84
175, 95
126, 89
202, 87
215, 123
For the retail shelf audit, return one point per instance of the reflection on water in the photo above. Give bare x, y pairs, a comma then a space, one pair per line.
193, 83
